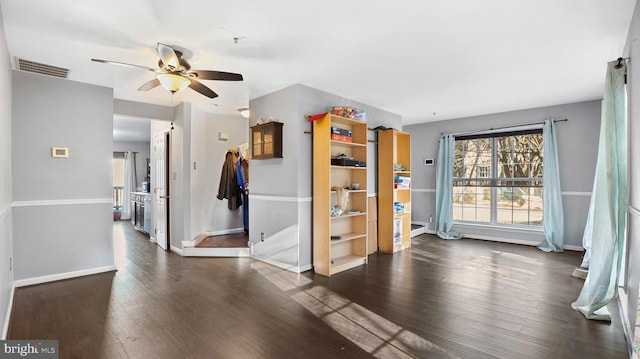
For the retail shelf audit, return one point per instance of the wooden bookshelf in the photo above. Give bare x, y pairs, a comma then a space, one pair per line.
394, 147
348, 249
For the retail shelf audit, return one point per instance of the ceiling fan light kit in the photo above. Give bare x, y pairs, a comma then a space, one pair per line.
173, 82
244, 112
175, 74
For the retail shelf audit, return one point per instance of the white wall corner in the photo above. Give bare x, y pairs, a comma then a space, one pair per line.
7, 318
190, 244
624, 318
177, 250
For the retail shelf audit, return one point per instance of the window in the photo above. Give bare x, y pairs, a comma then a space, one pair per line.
497, 178
483, 171
118, 182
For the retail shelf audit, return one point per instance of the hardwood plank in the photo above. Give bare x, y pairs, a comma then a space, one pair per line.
234, 240
440, 299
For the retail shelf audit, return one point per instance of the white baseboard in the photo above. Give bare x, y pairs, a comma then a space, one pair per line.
7, 319
199, 238
573, 248
417, 232
295, 269
216, 252
177, 250
512, 241
60, 276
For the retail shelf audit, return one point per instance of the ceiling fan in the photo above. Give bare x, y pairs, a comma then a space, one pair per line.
175, 74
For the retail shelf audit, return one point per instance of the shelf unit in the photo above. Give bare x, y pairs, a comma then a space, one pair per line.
394, 147
350, 249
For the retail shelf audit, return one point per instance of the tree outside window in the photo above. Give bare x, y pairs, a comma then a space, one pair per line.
498, 179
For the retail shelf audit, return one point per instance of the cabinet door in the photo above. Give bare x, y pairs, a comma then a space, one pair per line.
139, 215
133, 210
256, 135
266, 141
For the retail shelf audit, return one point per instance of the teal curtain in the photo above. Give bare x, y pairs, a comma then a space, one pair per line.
444, 189
552, 196
588, 230
609, 200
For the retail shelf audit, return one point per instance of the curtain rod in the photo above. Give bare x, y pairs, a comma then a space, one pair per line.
501, 128
620, 59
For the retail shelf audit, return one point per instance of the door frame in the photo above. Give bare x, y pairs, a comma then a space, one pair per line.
167, 191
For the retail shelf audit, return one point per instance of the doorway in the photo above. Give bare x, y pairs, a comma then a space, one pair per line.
161, 188
131, 148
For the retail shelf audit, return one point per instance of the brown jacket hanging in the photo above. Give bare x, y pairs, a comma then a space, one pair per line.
229, 183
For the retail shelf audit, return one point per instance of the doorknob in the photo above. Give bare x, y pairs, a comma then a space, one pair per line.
164, 196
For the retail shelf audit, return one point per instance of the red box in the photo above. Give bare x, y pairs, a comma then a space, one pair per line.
342, 138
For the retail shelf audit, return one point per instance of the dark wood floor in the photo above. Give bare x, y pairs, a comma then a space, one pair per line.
440, 299
234, 240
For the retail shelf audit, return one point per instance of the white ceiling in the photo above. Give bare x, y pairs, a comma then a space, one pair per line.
425, 60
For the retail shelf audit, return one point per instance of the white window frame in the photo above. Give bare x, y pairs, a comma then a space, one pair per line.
493, 178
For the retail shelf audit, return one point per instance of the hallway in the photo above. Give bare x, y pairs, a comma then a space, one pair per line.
441, 299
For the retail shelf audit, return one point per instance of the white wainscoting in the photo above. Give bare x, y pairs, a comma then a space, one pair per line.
288, 240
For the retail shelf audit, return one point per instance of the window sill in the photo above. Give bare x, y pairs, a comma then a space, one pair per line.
492, 226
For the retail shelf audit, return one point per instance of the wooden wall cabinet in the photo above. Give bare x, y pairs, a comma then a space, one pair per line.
340, 242
266, 141
394, 228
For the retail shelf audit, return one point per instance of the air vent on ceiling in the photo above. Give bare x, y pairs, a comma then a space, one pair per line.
31, 66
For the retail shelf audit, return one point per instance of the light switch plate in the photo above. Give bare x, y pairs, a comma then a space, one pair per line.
60, 152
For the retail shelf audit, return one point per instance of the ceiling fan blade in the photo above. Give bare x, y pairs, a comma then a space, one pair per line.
216, 75
123, 64
149, 85
168, 56
197, 86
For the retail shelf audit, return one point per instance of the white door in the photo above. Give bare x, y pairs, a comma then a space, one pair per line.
160, 191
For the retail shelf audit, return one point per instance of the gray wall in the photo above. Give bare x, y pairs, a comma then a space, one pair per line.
143, 110
577, 151
180, 207
273, 193
629, 299
143, 149
6, 238
51, 236
217, 217
281, 189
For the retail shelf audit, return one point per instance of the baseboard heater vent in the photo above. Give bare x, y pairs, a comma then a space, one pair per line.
44, 69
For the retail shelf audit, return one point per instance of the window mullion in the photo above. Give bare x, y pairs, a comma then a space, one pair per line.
494, 181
